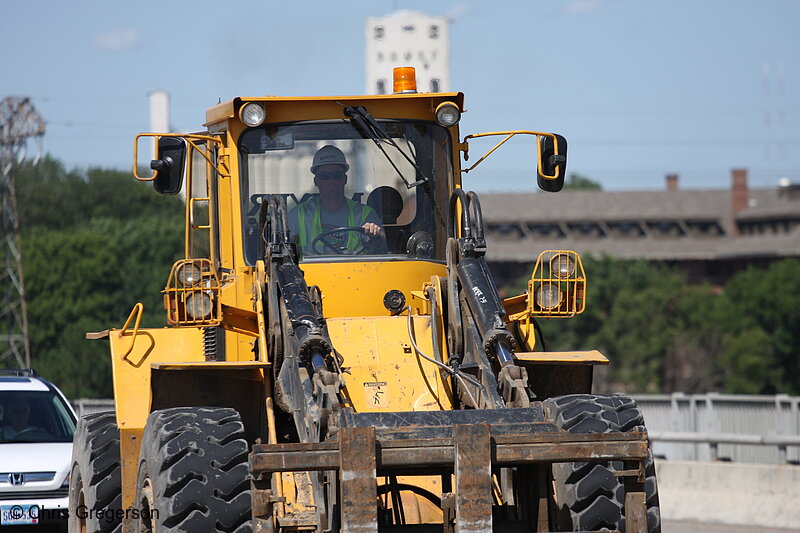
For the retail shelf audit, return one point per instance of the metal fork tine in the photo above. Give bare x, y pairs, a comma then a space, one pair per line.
358, 480
473, 466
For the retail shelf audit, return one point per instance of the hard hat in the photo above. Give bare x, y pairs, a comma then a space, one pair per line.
329, 155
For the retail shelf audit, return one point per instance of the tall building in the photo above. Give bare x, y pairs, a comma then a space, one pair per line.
159, 113
408, 39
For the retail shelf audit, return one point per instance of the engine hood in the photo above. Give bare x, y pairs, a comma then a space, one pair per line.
35, 457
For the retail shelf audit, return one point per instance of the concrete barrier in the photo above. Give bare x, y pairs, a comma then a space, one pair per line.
730, 493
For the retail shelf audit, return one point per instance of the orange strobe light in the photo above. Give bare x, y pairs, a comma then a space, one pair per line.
405, 80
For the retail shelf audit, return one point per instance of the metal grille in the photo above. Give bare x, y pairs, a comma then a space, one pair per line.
27, 477
35, 494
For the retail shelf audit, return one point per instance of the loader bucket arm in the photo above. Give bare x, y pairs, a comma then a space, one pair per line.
478, 327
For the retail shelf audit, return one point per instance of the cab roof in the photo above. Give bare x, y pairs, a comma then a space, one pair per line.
381, 106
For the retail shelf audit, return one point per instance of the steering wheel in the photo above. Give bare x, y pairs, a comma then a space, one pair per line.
323, 238
33, 433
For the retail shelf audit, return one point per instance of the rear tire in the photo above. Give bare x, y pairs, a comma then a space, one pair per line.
193, 472
588, 495
95, 486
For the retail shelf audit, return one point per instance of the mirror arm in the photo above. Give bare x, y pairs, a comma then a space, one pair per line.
508, 135
487, 154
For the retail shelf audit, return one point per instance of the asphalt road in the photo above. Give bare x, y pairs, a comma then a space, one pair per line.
695, 527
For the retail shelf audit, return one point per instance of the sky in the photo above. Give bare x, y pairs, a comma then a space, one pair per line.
640, 88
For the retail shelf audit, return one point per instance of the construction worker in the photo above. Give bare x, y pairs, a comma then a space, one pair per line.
314, 221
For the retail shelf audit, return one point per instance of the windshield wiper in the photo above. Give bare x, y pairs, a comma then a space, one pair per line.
370, 127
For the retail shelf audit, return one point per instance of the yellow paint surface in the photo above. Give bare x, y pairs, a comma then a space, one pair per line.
357, 289
586, 357
384, 371
132, 374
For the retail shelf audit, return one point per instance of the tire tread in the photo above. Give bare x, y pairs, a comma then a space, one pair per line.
196, 458
96, 461
588, 493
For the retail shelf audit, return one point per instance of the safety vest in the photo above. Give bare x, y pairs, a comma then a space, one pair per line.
353, 239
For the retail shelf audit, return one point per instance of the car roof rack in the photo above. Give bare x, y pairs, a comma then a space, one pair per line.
18, 372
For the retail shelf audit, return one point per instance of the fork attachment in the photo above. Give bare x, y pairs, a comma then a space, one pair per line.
475, 448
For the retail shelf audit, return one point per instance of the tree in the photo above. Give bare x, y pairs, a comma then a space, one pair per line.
577, 181
72, 287
625, 319
663, 334
94, 243
763, 353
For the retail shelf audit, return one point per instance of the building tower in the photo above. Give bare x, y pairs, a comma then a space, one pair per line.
408, 39
18, 121
159, 113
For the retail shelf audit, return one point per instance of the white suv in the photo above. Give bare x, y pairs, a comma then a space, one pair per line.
36, 427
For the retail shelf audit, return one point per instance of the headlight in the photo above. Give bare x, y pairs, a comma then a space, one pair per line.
562, 266
252, 114
189, 274
198, 305
548, 295
447, 114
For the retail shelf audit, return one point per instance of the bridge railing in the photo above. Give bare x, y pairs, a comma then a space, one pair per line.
88, 406
697, 427
740, 428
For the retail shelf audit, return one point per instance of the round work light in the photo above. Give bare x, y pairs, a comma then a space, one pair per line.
562, 266
548, 295
198, 305
447, 114
189, 274
252, 114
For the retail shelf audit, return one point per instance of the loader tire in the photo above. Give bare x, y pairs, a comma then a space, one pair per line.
95, 484
193, 472
588, 495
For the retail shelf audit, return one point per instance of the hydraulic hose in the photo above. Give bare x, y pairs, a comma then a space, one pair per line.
458, 374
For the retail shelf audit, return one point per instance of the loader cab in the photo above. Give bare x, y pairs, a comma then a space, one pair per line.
400, 181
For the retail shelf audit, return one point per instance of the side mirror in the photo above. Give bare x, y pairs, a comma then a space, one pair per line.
552, 167
170, 165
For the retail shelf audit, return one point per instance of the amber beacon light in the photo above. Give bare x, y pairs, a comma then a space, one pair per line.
405, 80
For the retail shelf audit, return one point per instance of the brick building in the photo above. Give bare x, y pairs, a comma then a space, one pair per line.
710, 233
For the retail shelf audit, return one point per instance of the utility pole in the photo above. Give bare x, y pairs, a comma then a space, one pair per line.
18, 121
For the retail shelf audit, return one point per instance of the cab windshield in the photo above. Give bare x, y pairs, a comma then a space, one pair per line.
383, 199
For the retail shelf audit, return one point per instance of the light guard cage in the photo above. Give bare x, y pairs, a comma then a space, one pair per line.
195, 303
554, 274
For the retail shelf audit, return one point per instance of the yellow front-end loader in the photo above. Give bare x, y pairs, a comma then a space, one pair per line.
337, 356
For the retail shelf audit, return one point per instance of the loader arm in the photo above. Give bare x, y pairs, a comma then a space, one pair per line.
476, 315
306, 378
